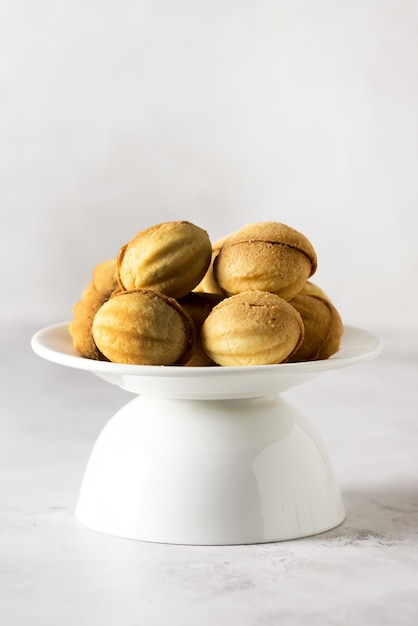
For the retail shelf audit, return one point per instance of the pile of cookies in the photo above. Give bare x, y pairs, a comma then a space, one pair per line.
171, 297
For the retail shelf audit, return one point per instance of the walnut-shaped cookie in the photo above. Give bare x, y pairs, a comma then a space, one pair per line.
323, 327
199, 305
208, 283
101, 286
311, 289
80, 327
171, 257
105, 277
252, 328
143, 327
269, 256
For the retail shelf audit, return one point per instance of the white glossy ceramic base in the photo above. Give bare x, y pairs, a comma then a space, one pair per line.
209, 472
208, 455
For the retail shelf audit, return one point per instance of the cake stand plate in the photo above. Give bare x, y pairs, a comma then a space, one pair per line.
208, 455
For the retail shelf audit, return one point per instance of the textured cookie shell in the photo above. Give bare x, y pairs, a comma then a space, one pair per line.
323, 328
208, 283
80, 327
252, 328
198, 305
311, 289
269, 256
171, 257
105, 275
143, 327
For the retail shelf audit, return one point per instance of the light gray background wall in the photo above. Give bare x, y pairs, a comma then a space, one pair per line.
120, 114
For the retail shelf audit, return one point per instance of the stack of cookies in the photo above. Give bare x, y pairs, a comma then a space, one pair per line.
171, 297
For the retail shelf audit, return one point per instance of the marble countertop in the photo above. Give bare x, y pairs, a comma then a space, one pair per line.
54, 571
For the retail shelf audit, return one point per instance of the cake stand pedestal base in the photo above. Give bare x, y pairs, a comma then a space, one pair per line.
209, 472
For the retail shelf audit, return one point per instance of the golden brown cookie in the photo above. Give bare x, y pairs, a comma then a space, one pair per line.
171, 257
252, 328
269, 256
143, 327
323, 328
199, 305
104, 277
310, 289
208, 284
80, 327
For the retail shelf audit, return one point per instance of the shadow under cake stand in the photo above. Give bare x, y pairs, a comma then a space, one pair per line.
210, 455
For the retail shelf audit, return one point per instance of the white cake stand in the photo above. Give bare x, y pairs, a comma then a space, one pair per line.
210, 455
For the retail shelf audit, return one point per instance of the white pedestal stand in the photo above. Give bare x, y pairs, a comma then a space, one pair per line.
208, 455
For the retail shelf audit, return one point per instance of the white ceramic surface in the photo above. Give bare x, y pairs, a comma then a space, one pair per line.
54, 344
209, 472
208, 456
